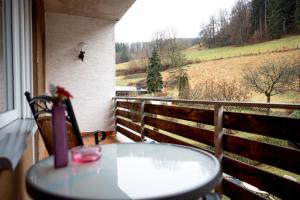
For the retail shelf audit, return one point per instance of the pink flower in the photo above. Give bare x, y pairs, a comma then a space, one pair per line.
60, 92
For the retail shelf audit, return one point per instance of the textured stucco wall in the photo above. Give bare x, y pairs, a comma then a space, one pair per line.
91, 82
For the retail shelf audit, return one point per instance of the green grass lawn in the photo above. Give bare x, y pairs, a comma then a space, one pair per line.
227, 52
130, 79
122, 65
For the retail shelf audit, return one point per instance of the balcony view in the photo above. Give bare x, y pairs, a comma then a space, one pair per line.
150, 99
238, 51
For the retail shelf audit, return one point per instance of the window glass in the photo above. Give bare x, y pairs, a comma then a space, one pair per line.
6, 80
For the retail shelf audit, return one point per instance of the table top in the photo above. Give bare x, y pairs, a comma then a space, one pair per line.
129, 171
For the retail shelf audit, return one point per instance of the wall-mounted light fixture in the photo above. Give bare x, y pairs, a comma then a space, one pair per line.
82, 46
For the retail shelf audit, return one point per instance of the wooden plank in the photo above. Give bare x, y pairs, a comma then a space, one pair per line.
128, 134
280, 157
129, 115
191, 114
224, 103
279, 186
128, 105
154, 135
279, 127
234, 191
128, 124
197, 134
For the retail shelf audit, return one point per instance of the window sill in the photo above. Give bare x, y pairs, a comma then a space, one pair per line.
13, 141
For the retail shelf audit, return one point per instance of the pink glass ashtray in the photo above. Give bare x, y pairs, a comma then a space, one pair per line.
85, 154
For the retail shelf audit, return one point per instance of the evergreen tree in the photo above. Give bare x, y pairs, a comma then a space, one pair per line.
154, 78
275, 26
124, 57
297, 16
258, 15
183, 85
288, 14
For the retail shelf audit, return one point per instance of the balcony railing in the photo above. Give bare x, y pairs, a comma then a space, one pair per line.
209, 125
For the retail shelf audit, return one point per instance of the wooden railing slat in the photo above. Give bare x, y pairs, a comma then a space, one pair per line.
273, 126
128, 124
280, 157
279, 186
129, 115
234, 191
154, 135
191, 114
128, 105
279, 127
128, 134
193, 133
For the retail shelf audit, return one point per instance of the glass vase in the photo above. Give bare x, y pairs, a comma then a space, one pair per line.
59, 133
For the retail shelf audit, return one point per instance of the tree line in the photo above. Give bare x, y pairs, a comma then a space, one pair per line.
251, 21
142, 50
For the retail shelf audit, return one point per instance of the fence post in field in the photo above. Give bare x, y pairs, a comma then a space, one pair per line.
142, 120
218, 141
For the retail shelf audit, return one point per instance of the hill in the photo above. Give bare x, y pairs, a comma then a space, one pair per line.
202, 54
228, 62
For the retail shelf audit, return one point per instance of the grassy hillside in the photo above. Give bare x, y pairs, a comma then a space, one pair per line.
197, 53
235, 61
227, 52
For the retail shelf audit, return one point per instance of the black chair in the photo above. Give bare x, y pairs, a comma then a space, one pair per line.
41, 107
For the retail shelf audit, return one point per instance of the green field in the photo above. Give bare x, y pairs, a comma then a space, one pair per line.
130, 79
227, 52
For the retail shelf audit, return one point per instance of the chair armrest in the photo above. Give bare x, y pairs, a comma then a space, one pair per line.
96, 134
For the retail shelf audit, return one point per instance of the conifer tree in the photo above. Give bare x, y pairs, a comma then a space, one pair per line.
275, 26
297, 16
183, 85
154, 78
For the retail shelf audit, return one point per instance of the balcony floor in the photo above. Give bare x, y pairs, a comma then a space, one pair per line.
113, 138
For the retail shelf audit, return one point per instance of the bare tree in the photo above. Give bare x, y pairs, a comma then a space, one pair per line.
166, 43
296, 72
159, 41
220, 89
271, 78
208, 32
240, 21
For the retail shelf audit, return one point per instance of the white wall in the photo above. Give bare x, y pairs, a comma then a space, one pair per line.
92, 82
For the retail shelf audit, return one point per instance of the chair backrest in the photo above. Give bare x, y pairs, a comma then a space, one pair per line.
41, 107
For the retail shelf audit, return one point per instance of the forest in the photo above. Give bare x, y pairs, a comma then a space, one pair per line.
252, 21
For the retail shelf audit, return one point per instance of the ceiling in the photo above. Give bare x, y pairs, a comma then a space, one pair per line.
104, 9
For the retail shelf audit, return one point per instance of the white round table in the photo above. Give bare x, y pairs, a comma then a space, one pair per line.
129, 171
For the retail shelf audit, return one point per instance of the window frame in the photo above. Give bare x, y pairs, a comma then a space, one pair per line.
11, 114
19, 57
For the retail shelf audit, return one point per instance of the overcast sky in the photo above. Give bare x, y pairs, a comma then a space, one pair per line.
148, 16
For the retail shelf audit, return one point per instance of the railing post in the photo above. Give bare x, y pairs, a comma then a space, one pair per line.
218, 142
142, 120
115, 114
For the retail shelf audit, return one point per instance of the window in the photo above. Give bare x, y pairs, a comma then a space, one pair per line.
6, 76
15, 59
7, 107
